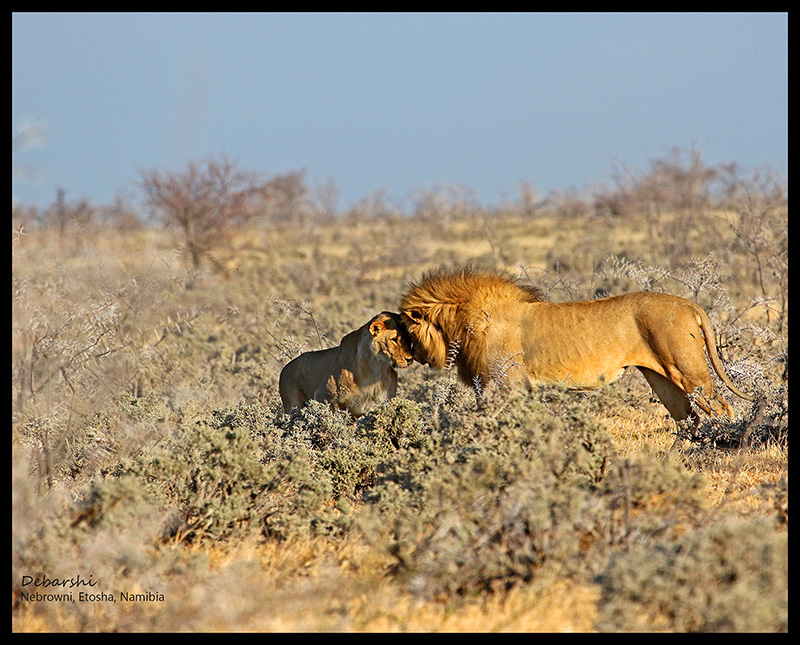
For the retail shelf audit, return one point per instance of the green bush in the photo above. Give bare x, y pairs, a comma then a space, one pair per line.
727, 577
487, 499
497, 493
212, 474
314, 462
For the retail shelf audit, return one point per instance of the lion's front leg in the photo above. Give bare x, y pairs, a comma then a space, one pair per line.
341, 392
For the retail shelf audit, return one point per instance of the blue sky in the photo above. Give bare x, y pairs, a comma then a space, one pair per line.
392, 102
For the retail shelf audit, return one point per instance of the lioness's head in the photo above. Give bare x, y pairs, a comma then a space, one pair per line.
390, 341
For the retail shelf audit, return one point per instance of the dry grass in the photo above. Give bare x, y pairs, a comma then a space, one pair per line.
102, 317
314, 586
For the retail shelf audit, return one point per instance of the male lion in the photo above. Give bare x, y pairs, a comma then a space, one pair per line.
498, 328
354, 376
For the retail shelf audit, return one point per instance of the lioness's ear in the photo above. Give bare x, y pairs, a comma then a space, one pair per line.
376, 327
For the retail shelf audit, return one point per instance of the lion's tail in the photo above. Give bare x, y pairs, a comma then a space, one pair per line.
711, 348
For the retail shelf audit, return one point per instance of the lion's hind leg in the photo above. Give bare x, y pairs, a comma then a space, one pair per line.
671, 396
693, 376
713, 405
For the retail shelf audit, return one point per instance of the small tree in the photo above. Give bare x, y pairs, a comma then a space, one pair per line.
206, 202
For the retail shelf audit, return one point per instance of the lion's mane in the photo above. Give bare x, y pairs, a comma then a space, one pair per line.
450, 310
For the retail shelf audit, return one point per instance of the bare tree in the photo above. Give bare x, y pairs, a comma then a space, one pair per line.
205, 203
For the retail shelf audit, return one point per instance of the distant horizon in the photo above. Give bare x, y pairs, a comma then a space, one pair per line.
136, 199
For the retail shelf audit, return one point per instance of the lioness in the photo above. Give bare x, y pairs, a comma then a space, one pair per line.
354, 376
502, 328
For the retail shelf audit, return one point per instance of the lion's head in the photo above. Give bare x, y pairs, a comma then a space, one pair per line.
389, 341
447, 312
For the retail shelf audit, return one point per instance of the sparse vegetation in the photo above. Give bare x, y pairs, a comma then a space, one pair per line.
150, 450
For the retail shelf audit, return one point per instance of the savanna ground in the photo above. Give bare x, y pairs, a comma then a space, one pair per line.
150, 453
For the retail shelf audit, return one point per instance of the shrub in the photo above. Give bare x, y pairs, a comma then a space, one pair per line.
766, 421
521, 485
108, 532
315, 462
494, 495
728, 577
210, 471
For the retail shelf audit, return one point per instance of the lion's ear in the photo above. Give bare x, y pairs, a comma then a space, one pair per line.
376, 327
415, 315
